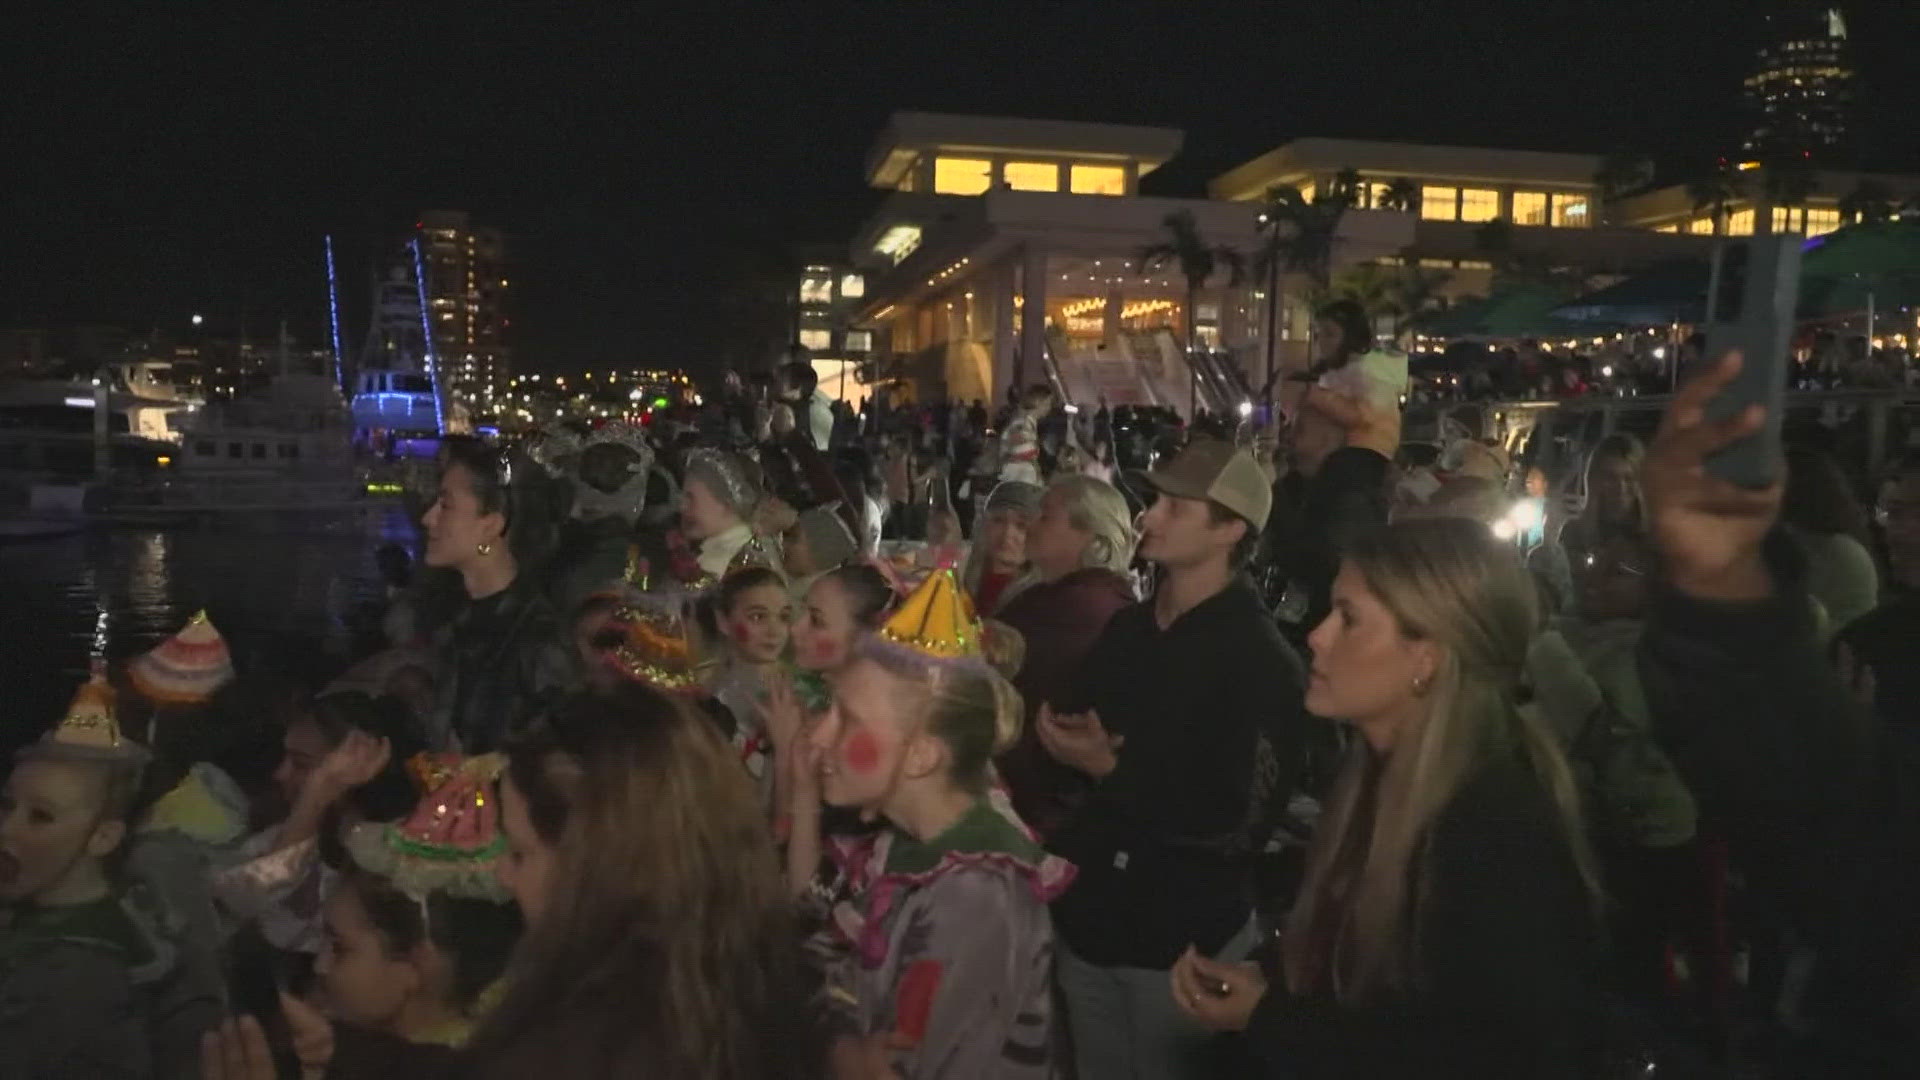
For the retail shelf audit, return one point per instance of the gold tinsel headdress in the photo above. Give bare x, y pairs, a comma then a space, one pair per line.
937, 621
90, 730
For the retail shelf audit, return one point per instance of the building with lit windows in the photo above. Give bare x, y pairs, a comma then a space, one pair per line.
1754, 206
1801, 89
467, 289
1006, 252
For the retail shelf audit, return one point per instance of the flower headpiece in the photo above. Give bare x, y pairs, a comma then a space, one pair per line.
451, 841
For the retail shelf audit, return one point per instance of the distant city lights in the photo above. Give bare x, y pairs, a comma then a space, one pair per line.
198, 319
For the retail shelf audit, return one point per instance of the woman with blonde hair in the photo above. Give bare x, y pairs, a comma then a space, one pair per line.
1079, 550
1448, 924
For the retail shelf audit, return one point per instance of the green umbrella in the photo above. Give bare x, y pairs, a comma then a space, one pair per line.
1521, 311
1862, 266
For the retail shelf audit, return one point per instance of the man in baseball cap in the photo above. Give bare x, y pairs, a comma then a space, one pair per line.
1168, 713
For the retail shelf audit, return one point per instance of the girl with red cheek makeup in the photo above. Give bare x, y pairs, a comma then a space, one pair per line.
935, 938
755, 618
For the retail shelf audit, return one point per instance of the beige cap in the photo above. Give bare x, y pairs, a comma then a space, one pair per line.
1218, 472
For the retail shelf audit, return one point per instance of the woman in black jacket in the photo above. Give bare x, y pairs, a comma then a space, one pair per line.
503, 651
1448, 922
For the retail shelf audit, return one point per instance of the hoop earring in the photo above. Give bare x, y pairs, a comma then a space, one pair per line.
484, 548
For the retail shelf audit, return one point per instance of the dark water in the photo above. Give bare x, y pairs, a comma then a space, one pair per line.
281, 589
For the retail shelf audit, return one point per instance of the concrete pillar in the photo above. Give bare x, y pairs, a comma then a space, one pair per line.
1005, 285
1110, 318
1033, 318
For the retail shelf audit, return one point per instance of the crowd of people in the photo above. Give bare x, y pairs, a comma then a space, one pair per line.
782, 742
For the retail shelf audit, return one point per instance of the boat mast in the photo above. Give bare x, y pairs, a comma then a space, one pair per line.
426, 332
333, 319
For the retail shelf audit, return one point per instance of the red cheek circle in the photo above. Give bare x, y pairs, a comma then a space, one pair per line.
862, 751
741, 633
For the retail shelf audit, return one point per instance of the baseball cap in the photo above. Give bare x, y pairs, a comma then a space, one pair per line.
1218, 472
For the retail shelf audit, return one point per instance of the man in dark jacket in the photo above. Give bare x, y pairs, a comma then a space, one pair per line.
1167, 719
1817, 805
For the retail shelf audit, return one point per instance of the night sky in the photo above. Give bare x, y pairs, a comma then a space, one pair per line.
651, 172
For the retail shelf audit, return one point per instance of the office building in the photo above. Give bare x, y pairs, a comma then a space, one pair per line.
1801, 89
467, 289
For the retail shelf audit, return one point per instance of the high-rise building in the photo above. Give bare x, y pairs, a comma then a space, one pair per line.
467, 285
1801, 91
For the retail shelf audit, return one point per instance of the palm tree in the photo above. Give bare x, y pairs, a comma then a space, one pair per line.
1416, 291
1402, 195
1715, 192
1298, 236
1868, 202
1198, 261
1620, 174
1788, 182
1389, 291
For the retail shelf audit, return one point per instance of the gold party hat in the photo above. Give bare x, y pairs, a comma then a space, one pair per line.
938, 620
89, 722
756, 552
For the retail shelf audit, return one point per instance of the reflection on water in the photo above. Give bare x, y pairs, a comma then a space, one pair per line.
280, 589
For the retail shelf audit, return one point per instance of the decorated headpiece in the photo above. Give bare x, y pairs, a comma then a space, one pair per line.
185, 669
451, 841
555, 450
726, 477
653, 647
757, 552
937, 621
89, 731
828, 537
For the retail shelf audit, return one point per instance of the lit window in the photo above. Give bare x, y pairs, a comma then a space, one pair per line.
1821, 222
1479, 204
1097, 180
899, 241
1437, 264
1789, 220
852, 287
1529, 208
1668, 228
1700, 226
962, 176
1740, 223
1475, 264
816, 289
1031, 175
1306, 192
859, 341
1440, 203
816, 339
1570, 211
1372, 196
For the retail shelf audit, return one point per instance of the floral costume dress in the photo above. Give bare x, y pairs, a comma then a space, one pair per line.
947, 943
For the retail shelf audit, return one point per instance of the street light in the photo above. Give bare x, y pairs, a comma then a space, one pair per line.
198, 319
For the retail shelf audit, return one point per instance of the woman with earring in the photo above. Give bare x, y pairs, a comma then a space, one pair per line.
1447, 925
504, 649
1079, 548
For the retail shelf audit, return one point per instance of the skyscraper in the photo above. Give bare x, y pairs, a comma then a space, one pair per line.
1801, 90
467, 287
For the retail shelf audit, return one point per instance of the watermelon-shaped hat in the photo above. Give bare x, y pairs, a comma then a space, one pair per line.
185, 669
450, 843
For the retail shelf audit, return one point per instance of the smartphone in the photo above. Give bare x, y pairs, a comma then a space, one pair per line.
1752, 293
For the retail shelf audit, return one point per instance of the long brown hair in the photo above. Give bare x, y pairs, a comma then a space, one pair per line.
1447, 581
666, 949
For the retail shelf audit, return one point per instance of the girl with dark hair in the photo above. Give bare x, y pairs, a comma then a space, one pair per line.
420, 930
937, 942
505, 647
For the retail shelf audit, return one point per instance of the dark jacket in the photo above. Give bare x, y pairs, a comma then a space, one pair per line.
1887, 639
1160, 843
1060, 621
1507, 958
591, 556
506, 657
1817, 802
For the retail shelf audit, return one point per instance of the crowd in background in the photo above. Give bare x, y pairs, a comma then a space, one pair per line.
932, 740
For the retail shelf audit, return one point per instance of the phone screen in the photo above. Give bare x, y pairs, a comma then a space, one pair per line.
1756, 288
